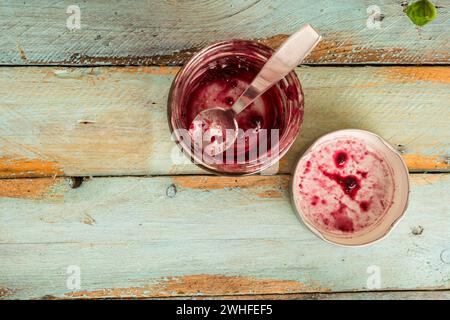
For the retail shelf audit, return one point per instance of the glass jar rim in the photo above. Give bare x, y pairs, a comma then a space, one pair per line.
223, 49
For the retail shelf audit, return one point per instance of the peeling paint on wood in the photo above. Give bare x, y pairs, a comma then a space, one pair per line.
326, 52
200, 285
177, 58
270, 194
273, 186
213, 182
21, 52
23, 167
404, 75
423, 163
243, 242
26, 188
428, 179
275, 41
5, 292
334, 53
87, 219
113, 121
168, 32
157, 70
380, 295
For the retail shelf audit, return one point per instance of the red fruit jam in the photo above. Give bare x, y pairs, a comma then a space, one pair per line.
216, 77
344, 186
223, 84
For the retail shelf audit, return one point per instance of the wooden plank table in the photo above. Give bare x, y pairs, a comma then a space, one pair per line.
91, 102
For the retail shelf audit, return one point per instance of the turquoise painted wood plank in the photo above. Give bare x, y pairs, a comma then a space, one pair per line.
168, 32
382, 295
214, 236
112, 121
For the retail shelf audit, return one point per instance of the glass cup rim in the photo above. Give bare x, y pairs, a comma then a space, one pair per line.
291, 77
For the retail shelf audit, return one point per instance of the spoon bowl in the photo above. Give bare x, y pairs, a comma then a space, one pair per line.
214, 130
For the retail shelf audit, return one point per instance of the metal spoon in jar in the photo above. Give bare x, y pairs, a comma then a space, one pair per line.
220, 124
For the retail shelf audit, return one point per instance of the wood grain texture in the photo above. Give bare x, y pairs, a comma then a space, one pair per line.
112, 121
131, 237
372, 295
168, 32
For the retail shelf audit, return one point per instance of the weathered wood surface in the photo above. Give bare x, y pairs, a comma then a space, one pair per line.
202, 236
168, 32
370, 295
112, 121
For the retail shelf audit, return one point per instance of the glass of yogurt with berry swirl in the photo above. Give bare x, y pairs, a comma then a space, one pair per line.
350, 187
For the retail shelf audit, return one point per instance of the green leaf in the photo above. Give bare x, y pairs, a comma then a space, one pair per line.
421, 12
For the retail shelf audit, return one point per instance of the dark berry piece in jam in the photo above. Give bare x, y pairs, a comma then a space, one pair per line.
291, 93
344, 223
340, 158
233, 84
341, 221
362, 173
349, 184
229, 101
364, 205
257, 122
308, 167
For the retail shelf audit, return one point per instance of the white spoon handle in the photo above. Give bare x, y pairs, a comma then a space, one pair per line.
290, 54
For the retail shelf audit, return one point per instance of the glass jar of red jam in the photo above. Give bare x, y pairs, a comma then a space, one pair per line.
215, 77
